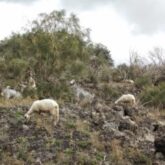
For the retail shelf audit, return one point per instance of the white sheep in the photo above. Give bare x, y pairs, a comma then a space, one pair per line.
45, 105
129, 81
8, 93
80, 93
126, 98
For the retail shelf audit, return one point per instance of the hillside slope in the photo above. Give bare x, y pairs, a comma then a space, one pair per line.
101, 133
55, 49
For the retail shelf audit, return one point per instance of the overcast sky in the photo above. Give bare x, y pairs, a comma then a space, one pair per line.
121, 25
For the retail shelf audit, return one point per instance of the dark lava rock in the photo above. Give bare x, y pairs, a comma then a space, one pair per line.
159, 144
127, 124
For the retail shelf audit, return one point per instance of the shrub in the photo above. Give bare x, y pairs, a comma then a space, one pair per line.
143, 81
154, 96
84, 144
104, 74
58, 90
77, 67
109, 92
17, 67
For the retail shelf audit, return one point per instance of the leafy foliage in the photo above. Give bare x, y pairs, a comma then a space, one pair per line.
54, 47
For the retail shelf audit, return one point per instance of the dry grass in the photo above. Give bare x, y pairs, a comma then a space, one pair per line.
15, 102
62, 158
96, 143
85, 158
85, 103
156, 113
117, 152
82, 126
43, 121
137, 156
9, 160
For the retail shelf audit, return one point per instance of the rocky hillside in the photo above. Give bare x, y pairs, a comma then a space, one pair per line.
96, 133
54, 50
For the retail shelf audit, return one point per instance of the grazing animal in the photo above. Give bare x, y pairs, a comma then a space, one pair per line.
126, 98
32, 83
45, 105
8, 93
128, 81
80, 93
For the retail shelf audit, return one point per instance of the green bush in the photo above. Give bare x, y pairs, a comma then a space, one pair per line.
154, 96
54, 52
16, 67
77, 67
104, 74
143, 81
58, 90
108, 92
29, 92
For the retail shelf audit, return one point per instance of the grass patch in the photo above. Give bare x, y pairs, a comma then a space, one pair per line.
117, 152
96, 143
70, 124
15, 102
84, 144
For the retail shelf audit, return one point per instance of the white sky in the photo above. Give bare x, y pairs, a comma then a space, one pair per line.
111, 24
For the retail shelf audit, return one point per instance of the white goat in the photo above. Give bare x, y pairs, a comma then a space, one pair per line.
126, 98
32, 83
80, 92
45, 105
8, 93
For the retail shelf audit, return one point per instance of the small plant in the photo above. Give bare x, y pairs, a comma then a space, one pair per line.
18, 116
85, 158
82, 127
70, 124
109, 92
84, 144
99, 156
96, 143
69, 151
63, 157
23, 145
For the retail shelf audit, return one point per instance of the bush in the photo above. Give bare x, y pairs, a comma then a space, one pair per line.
59, 90
77, 67
104, 74
143, 81
154, 96
17, 67
109, 92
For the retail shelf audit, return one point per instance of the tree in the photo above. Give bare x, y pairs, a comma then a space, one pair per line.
54, 47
